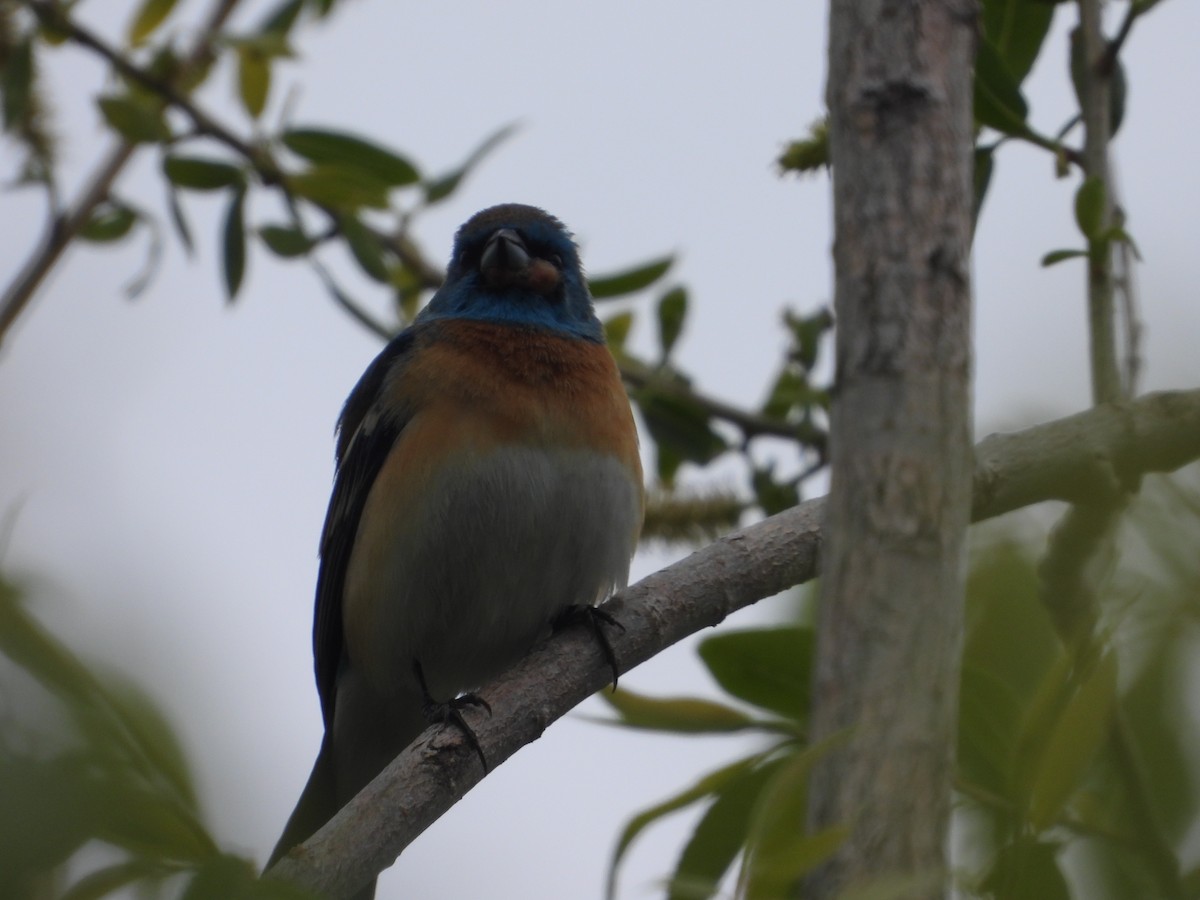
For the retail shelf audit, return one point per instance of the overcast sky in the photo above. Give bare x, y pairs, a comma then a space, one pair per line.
170, 458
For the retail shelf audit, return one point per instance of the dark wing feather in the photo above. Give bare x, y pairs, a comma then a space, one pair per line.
366, 434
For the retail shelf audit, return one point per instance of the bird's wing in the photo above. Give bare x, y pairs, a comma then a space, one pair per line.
367, 430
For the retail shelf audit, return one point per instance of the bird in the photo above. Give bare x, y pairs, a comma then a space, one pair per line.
488, 483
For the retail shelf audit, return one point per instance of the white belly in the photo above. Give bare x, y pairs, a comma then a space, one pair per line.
482, 561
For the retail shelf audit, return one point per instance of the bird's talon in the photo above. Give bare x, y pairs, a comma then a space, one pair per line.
592, 617
450, 712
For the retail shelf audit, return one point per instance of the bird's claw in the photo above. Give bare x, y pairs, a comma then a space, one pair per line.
449, 712
593, 617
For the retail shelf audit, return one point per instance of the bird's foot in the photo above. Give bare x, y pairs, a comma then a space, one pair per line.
449, 712
594, 618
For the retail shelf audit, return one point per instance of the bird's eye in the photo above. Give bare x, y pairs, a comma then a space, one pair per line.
557, 259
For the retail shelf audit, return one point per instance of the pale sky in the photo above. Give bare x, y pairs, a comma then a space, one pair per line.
170, 458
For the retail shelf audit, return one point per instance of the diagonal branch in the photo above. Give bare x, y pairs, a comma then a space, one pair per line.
1054, 461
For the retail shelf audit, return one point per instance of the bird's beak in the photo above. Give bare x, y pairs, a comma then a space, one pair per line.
505, 252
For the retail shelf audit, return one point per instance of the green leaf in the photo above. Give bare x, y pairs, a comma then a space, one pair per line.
1041, 713
1117, 83
234, 243
136, 120
720, 834
788, 391
808, 154
629, 281
672, 310
681, 715
286, 241
17, 83
988, 721
341, 187
1008, 632
707, 786
346, 151
1119, 234
1054, 257
902, 886
151, 740
441, 188
201, 174
254, 80
680, 428
984, 163
365, 247
1159, 723
29, 646
224, 876
149, 16
1118, 91
1081, 729
770, 667
616, 330
1090, 201
807, 332
998, 100
1017, 29
146, 822
141, 281
410, 288
110, 221
793, 392
773, 495
1027, 867
179, 220
46, 815
281, 19
110, 879
778, 851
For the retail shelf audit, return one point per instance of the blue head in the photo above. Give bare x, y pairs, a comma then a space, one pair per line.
517, 265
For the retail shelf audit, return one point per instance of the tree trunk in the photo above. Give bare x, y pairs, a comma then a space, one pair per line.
899, 95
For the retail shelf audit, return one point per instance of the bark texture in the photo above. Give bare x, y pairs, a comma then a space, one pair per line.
889, 641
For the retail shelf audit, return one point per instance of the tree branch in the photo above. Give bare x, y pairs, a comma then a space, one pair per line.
889, 620
65, 228
1157, 433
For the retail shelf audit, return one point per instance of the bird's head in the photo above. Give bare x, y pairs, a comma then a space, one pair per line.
517, 265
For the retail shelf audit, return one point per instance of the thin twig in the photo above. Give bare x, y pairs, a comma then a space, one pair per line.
1070, 154
1106, 379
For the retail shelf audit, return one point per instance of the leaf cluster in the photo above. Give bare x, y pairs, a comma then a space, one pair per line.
1073, 765
89, 760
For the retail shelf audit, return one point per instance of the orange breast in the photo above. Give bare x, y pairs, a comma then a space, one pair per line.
523, 386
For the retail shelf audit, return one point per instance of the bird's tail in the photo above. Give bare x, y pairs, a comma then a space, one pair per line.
369, 731
316, 806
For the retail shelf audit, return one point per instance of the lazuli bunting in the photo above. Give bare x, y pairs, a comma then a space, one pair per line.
488, 481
